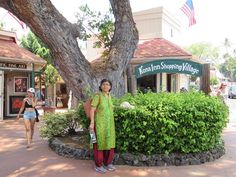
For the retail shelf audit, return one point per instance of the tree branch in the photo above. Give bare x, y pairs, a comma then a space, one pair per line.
60, 36
125, 35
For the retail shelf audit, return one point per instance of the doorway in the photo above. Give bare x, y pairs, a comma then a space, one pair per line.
171, 82
147, 83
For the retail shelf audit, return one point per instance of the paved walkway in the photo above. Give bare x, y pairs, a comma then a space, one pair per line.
40, 161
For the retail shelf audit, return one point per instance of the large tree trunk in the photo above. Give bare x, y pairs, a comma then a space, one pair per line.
61, 37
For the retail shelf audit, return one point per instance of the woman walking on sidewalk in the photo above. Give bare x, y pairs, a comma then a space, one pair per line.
222, 92
28, 106
102, 123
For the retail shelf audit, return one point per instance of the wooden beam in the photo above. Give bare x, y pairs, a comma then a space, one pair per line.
205, 79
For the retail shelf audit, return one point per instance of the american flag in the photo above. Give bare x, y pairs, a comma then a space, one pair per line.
188, 9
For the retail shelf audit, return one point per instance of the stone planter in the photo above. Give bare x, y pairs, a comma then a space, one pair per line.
176, 159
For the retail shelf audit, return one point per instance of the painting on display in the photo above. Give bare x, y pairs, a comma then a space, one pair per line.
20, 84
15, 104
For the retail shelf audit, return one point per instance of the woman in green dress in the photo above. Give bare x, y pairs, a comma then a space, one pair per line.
102, 122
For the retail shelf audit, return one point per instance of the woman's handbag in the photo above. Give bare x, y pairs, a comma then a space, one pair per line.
37, 115
87, 106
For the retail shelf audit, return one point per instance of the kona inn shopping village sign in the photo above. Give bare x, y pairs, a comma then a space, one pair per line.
169, 66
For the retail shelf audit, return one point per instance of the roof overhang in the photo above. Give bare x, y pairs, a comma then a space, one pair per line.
137, 61
12, 53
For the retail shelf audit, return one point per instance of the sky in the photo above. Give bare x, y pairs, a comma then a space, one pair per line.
215, 18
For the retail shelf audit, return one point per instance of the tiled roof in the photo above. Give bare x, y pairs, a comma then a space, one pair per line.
157, 48
10, 50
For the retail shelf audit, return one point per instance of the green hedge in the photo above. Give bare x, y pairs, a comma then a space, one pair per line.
159, 123
59, 124
167, 122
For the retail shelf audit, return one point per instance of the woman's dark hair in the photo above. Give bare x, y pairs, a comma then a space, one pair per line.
105, 80
222, 85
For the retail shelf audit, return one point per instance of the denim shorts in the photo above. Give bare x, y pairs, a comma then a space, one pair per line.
29, 115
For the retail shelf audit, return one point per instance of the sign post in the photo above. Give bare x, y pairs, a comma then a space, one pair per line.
205, 79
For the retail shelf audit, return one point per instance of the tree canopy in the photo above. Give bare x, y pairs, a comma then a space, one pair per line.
36, 46
205, 51
96, 24
225, 61
228, 67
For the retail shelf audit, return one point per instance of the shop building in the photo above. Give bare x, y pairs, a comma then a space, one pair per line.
58, 93
160, 65
18, 68
159, 35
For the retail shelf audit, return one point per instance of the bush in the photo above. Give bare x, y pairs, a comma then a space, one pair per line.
214, 81
160, 123
168, 122
59, 124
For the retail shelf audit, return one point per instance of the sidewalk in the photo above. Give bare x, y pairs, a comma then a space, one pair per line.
40, 161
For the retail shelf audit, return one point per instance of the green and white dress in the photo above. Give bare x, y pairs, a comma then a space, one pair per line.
104, 121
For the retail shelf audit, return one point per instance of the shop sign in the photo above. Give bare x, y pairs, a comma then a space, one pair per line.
169, 66
12, 65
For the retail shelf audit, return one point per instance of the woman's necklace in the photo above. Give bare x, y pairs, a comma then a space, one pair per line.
29, 101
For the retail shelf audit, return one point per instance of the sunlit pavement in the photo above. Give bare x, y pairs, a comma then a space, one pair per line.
41, 112
18, 161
